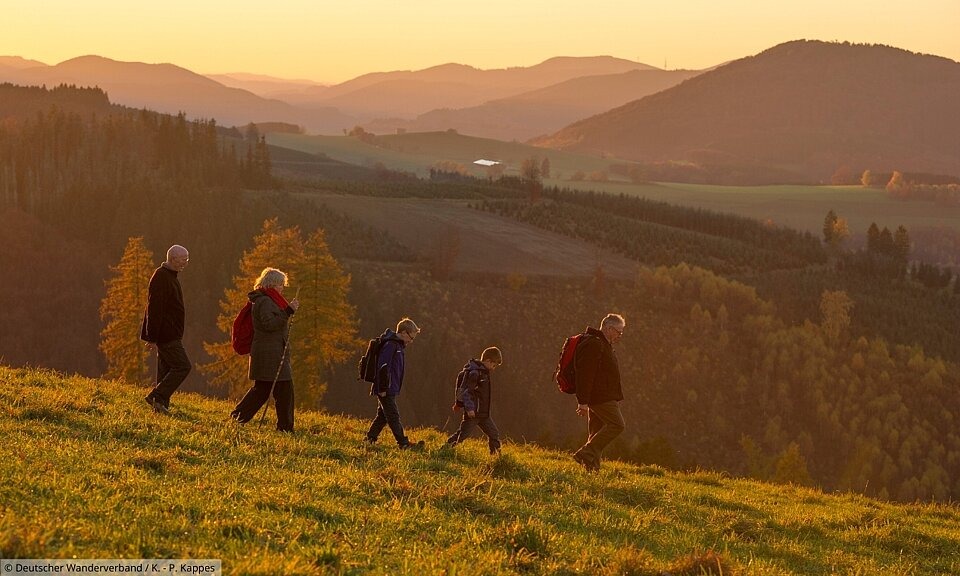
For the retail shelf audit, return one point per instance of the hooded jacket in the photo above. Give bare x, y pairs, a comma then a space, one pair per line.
390, 365
269, 339
597, 369
475, 390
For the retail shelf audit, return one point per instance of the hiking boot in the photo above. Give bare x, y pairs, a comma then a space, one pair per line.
586, 462
415, 446
157, 404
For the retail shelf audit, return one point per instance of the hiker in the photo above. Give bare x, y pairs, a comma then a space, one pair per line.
598, 389
269, 351
389, 380
162, 328
474, 395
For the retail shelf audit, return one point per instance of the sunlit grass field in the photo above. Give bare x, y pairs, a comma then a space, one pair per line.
418, 152
792, 206
90, 472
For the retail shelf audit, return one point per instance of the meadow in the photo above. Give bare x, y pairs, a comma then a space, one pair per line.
802, 207
90, 472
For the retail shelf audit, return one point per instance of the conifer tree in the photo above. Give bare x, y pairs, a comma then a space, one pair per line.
122, 309
323, 331
274, 247
326, 331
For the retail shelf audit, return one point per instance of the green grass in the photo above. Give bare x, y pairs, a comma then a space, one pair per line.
799, 207
90, 472
417, 152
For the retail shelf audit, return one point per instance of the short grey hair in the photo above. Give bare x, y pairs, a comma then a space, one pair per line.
270, 278
612, 320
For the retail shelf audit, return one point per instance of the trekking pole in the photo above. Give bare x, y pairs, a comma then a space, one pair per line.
283, 356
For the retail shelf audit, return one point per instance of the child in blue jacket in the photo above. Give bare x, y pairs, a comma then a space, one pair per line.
389, 380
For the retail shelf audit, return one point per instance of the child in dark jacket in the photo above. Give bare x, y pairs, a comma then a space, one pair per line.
474, 395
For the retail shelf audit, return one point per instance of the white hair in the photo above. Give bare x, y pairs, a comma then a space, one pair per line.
270, 278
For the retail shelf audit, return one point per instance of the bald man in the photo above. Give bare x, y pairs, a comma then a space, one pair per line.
162, 328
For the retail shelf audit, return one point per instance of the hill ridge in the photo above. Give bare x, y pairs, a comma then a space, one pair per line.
82, 455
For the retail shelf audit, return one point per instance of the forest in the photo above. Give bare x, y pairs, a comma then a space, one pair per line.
751, 350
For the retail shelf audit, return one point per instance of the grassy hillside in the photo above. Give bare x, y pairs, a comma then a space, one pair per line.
417, 152
90, 472
806, 107
798, 207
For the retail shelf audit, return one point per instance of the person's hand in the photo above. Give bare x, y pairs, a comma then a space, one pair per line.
382, 394
150, 346
582, 409
295, 303
471, 414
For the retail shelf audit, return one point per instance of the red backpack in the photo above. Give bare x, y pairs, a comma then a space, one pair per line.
242, 335
566, 374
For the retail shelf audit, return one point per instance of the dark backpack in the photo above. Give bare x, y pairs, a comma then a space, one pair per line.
242, 334
566, 374
458, 404
367, 367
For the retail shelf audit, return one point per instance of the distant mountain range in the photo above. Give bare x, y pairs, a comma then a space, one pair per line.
544, 110
803, 107
239, 98
171, 89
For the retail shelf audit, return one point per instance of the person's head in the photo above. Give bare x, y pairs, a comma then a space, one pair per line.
271, 278
491, 357
177, 257
612, 327
407, 330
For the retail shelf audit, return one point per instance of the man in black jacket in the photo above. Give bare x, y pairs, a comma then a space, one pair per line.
598, 389
162, 327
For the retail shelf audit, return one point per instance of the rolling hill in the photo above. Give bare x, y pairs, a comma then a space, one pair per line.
543, 110
262, 85
172, 89
803, 107
92, 473
406, 94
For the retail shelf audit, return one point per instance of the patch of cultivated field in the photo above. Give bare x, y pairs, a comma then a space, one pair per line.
486, 242
798, 207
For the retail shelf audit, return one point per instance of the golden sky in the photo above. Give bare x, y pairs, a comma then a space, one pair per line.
335, 41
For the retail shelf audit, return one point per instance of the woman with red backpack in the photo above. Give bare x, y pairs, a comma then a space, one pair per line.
269, 353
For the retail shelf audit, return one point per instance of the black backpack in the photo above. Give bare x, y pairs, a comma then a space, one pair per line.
458, 404
367, 367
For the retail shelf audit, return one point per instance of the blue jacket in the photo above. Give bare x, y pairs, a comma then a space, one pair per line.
389, 365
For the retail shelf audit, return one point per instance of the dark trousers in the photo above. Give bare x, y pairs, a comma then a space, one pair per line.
485, 423
604, 423
258, 394
172, 368
387, 413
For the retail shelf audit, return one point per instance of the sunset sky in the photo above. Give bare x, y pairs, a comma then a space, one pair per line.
335, 41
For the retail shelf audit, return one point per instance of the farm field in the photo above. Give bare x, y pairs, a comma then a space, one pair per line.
484, 241
417, 152
799, 207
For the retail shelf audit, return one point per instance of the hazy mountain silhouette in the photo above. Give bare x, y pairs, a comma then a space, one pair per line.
544, 110
804, 106
262, 85
406, 94
18, 63
171, 89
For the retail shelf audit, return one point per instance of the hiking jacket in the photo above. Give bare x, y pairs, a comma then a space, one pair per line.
475, 390
163, 318
269, 339
390, 364
598, 373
